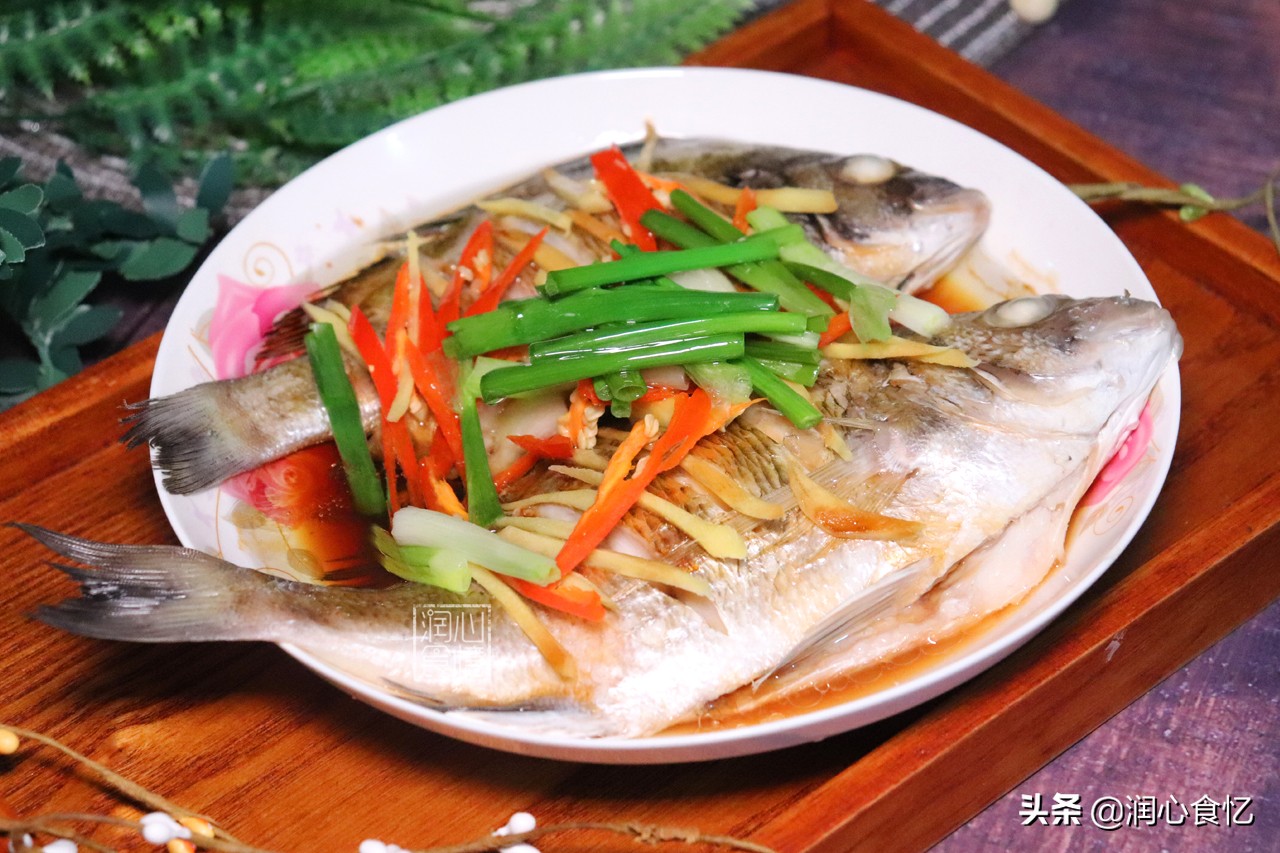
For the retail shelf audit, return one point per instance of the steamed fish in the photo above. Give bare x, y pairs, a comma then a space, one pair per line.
890, 222
972, 472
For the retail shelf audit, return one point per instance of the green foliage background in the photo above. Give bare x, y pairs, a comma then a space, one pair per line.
282, 82
262, 86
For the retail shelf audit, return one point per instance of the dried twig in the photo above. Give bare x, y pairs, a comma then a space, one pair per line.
644, 833
1192, 200
61, 825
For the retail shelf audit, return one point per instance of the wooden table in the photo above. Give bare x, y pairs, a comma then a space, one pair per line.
289, 763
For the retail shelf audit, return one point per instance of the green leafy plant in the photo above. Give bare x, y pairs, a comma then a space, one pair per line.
56, 246
283, 82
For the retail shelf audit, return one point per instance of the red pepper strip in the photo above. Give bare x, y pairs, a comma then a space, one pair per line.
477, 256
692, 419
493, 295
440, 459
375, 357
839, 325
587, 391
402, 444
556, 447
433, 383
519, 352
628, 193
746, 204
659, 392
583, 603
395, 435
824, 296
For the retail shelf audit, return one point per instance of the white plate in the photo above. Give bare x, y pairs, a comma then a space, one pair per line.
312, 229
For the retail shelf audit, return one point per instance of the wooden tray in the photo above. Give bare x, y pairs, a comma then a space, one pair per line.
289, 763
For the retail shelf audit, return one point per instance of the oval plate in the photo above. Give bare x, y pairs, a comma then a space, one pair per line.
318, 227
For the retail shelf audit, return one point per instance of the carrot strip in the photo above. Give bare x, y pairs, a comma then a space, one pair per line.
583, 603
436, 387
490, 298
692, 419
628, 193
389, 466
400, 308
620, 463
523, 465
666, 185
838, 325
746, 203
440, 496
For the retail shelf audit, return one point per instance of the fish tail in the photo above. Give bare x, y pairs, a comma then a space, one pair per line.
185, 431
145, 593
207, 433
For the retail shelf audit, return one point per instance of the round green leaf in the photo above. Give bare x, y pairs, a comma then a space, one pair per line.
159, 258
88, 324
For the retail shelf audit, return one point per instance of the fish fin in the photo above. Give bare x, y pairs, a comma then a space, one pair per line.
192, 455
894, 590
144, 593
285, 338
545, 722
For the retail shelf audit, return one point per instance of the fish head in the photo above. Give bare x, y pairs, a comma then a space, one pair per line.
896, 224
893, 223
1068, 365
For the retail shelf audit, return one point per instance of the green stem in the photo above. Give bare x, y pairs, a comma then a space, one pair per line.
530, 320
627, 335
519, 379
780, 395
651, 264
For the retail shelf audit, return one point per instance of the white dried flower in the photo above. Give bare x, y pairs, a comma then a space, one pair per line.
160, 828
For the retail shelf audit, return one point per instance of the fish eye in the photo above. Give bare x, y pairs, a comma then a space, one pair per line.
868, 169
1020, 312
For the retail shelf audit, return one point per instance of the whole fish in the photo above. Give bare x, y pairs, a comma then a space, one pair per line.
988, 464
893, 223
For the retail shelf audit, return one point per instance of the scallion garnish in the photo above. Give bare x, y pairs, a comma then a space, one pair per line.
781, 396
651, 264
792, 371
782, 352
529, 320
769, 276
613, 336
339, 400
519, 379
707, 219
483, 506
